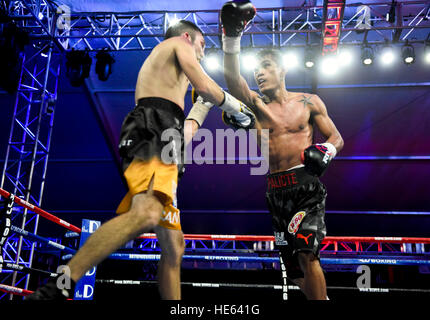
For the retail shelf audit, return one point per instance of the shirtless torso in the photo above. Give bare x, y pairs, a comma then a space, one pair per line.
162, 76
289, 127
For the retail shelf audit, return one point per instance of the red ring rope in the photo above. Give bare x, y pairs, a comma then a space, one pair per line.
327, 240
15, 290
40, 212
271, 238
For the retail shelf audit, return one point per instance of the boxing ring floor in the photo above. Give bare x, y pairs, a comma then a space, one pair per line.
221, 266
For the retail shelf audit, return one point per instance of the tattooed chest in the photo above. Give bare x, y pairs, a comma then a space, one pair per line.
289, 118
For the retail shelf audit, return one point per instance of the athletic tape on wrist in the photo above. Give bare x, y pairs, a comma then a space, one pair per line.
198, 113
230, 44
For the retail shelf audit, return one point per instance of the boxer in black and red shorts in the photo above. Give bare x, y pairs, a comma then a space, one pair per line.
285, 123
296, 201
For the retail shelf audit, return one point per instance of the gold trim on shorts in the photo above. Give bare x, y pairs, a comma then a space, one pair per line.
138, 176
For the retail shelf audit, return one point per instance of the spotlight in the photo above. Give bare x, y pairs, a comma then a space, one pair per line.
289, 60
345, 57
387, 55
173, 20
427, 53
309, 57
249, 60
78, 66
367, 55
212, 61
408, 53
329, 65
104, 65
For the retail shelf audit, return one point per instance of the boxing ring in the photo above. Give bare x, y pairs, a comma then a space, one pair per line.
220, 251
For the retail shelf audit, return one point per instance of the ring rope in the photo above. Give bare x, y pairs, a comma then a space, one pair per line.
15, 290
40, 211
256, 286
342, 261
22, 268
41, 239
326, 240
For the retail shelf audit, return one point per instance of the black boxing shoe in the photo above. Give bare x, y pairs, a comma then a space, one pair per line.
50, 291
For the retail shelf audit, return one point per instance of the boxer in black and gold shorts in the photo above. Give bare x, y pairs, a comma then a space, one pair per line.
141, 146
296, 201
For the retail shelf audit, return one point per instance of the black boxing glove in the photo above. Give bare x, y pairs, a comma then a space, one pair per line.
242, 120
317, 157
234, 18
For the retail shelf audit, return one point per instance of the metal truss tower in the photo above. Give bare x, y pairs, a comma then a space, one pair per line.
29, 142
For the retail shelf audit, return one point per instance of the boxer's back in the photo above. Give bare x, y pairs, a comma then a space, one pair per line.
161, 75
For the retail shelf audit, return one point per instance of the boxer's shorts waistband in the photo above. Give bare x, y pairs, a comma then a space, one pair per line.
289, 179
162, 104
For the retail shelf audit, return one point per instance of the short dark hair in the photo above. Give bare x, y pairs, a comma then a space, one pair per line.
180, 27
273, 53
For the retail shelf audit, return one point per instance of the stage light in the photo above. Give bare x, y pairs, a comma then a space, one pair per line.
427, 53
290, 60
78, 66
173, 21
408, 53
329, 65
387, 55
345, 57
212, 61
309, 57
367, 55
104, 65
249, 60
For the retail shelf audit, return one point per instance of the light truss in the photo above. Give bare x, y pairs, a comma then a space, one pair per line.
278, 27
27, 153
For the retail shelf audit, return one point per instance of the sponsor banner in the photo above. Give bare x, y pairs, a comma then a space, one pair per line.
84, 289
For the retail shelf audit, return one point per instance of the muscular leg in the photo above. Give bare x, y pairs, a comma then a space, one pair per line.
144, 214
169, 269
314, 286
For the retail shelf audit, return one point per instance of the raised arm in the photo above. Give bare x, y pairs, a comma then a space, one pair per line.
236, 84
234, 18
206, 87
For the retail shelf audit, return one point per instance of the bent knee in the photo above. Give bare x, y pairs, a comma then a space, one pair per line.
146, 210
